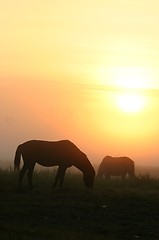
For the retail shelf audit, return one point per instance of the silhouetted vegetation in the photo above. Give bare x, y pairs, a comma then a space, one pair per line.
114, 209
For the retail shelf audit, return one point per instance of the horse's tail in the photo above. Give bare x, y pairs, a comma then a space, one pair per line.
17, 158
132, 170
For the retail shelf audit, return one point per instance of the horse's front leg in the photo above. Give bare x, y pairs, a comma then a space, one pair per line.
60, 176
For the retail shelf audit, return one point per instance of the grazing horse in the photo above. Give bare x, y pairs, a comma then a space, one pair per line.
116, 166
62, 153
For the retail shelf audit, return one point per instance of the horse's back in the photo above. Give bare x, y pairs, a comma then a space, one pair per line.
42, 145
51, 153
117, 160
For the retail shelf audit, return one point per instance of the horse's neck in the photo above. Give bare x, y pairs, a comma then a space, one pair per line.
80, 166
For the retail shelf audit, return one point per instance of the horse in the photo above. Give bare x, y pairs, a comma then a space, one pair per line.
116, 166
63, 154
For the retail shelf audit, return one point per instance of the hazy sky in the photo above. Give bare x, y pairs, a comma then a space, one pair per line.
83, 70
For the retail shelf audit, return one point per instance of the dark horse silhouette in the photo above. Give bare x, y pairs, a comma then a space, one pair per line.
116, 166
60, 153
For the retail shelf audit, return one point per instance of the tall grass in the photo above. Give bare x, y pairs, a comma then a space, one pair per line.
113, 210
43, 179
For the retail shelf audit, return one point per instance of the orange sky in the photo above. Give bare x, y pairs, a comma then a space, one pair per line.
82, 70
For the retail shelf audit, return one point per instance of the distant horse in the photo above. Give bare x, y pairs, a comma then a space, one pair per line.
62, 153
116, 166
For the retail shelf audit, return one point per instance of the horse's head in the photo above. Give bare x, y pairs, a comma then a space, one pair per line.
88, 178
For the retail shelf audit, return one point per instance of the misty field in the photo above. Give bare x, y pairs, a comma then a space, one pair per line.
113, 210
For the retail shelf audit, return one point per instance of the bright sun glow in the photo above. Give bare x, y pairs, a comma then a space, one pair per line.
130, 102
125, 77
131, 78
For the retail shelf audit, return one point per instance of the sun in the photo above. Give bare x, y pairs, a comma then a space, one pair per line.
130, 102
129, 86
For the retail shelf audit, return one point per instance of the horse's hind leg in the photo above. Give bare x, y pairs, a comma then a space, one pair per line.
63, 171
59, 176
30, 174
22, 173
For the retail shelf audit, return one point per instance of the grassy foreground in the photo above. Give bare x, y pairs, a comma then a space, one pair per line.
113, 210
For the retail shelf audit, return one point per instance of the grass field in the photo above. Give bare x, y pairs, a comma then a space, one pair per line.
113, 210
